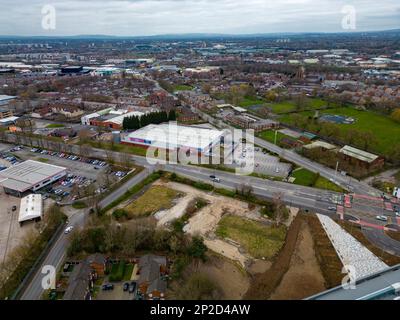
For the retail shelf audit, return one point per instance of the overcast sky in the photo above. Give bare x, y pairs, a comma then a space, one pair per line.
151, 17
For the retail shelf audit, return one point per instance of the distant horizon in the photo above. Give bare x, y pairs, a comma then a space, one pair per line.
200, 34
146, 18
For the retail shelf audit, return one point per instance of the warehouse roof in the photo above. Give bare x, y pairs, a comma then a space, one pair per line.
358, 154
27, 174
174, 136
30, 208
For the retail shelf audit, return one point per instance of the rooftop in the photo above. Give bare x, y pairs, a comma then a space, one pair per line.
382, 285
359, 154
27, 174
31, 207
172, 136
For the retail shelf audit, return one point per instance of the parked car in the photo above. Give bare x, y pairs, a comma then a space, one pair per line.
132, 287
14, 208
126, 286
107, 287
332, 208
382, 218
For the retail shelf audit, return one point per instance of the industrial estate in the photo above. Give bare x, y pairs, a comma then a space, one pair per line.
200, 167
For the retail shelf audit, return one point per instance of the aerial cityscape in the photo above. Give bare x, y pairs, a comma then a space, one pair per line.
164, 150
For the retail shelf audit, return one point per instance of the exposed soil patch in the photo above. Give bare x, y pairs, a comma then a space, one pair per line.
304, 277
228, 277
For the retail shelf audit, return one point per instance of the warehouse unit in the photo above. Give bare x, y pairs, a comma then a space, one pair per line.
173, 137
28, 176
31, 208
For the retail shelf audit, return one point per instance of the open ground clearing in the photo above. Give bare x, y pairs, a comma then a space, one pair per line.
259, 240
304, 277
153, 200
232, 281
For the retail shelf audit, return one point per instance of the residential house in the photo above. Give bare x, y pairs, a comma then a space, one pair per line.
98, 263
80, 282
152, 283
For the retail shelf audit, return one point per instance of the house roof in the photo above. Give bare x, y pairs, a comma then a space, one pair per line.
150, 272
78, 282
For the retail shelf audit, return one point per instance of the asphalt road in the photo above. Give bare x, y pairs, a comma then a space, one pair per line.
382, 241
57, 253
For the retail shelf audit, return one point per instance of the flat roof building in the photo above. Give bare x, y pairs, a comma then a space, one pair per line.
383, 285
31, 208
4, 99
29, 175
173, 137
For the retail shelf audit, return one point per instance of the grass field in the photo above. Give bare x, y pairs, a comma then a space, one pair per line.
247, 102
257, 239
307, 178
269, 135
155, 199
304, 177
182, 87
386, 130
290, 106
55, 125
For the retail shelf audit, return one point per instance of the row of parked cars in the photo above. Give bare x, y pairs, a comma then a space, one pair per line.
127, 287
10, 158
70, 157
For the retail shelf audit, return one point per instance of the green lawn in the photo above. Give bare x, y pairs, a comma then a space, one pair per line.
307, 178
247, 102
55, 125
44, 160
79, 205
304, 177
290, 106
128, 272
323, 183
269, 135
386, 130
257, 239
182, 87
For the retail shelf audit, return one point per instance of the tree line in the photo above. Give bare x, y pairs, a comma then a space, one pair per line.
137, 122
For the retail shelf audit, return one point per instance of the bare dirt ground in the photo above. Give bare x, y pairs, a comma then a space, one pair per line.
205, 221
259, 266
229, 278
304, 277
